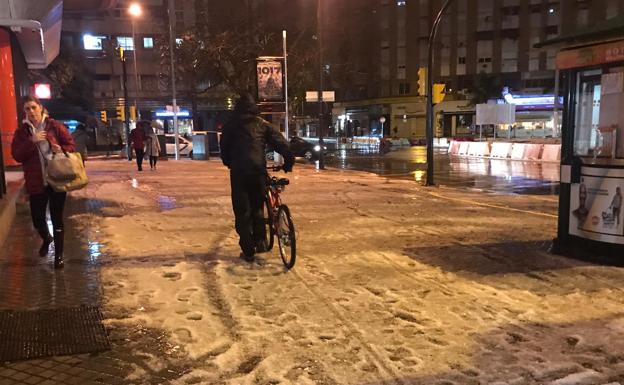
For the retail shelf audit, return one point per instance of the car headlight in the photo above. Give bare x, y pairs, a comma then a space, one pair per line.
317, 148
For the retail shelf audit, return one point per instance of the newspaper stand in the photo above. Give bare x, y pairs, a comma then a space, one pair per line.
591, 222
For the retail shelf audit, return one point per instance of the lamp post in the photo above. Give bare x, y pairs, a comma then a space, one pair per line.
135, 11
171, 11
319, 17
429, 131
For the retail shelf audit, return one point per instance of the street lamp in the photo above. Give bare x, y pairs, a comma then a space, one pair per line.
429, 130
135, 11
319, 17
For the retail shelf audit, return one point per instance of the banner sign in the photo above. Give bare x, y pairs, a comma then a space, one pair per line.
496, 114
270, 81
596, 205
591, 56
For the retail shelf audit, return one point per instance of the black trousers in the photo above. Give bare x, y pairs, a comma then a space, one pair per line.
139, 157
38, 205
153, 160
247, 200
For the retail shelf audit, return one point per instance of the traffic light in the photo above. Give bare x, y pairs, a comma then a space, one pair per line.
438, 92
103, 116
121, 113
422, 81
133, 114
120, 53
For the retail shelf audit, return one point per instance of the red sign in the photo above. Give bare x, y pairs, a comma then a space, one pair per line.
591, 55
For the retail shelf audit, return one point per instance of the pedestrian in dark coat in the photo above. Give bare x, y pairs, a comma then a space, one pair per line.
80, 140
243, 151
33, 144
137, 140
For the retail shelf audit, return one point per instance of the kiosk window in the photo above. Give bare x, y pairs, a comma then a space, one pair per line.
598, 120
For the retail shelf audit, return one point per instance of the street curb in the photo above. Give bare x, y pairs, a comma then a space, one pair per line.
8, 208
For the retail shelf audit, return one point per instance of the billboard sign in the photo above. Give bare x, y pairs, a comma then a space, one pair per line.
270, 78
596, 205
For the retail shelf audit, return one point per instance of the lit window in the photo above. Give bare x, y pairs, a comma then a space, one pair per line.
148, 42
400, 3
93, 42
125, 42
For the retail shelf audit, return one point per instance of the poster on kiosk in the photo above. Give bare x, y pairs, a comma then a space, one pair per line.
596, 206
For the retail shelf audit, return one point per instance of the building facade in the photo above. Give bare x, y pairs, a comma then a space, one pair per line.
495, 37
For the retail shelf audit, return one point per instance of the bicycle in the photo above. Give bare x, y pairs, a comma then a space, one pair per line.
277, 220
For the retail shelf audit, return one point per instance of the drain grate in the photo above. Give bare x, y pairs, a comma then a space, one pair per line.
51, 332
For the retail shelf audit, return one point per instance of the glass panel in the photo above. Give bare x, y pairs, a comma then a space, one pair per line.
587, 112
599, 119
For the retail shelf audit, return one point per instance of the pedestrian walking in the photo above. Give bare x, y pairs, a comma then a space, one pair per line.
616, 205
33, 144
137, 141
243, 151
80, 141
152, 147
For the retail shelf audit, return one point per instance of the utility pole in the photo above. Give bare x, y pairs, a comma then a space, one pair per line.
285, 84
171, 10
319, 28
429, 132
124, 79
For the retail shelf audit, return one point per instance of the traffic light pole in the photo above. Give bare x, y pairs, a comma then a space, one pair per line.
319, 16
429, 132
126, 108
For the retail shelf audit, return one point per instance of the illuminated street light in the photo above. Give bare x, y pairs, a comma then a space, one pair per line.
135, 10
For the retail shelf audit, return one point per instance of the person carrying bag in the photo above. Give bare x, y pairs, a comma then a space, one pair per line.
38, 144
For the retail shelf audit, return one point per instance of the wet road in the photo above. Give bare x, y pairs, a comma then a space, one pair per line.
492, 175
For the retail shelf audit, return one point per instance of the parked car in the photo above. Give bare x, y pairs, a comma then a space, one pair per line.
185, 146
300, 148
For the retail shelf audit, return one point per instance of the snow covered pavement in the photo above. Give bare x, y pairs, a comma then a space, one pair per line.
394, 284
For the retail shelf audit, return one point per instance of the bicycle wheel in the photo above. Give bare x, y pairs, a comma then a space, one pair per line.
268, 224
286, 237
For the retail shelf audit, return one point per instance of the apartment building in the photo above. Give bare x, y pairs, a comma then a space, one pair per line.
495, 37
95, 30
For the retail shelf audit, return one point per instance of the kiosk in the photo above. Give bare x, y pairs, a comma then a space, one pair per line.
591, 221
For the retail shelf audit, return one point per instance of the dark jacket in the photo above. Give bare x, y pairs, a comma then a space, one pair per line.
25, 151
244, 142
137, 138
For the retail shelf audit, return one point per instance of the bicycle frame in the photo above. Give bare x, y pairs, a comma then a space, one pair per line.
273, 195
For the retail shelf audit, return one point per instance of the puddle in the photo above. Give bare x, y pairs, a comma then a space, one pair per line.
167, 203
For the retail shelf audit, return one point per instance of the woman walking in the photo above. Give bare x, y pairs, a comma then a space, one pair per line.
152, 147
33, 144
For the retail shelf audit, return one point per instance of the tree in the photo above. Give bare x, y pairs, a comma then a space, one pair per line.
70, 76
485, 87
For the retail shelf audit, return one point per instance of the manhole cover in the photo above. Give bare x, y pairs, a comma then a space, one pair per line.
51, 332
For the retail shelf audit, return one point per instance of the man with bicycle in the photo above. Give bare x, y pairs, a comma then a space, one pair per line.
243, 150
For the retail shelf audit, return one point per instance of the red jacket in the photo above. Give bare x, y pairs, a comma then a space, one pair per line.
25, 151
137, 137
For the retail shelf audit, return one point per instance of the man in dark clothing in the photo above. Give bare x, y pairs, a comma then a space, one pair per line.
243, 151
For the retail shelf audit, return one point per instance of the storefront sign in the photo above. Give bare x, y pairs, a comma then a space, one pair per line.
596, 205
270, 81
590, 56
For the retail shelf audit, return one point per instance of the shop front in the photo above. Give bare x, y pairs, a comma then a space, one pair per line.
591, 222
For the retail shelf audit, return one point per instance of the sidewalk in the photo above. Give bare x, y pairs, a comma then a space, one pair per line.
394, 284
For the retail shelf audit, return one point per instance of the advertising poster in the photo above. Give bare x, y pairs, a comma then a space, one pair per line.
596, 207
270, 81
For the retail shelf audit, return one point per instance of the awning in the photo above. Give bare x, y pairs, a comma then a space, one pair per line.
610, 29
37, 26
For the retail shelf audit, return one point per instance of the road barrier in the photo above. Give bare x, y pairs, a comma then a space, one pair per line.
551, 153
507, 150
